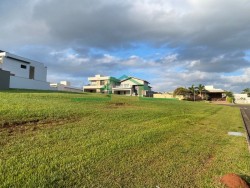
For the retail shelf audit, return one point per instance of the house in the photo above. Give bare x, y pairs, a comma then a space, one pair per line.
21, 73
64, 86
214, 94
129, 86
132, 86
101, 84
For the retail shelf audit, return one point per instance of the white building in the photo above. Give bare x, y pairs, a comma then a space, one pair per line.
23, 73
241, 99
101, 84
64, 86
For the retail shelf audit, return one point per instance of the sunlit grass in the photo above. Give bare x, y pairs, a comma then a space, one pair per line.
92, 140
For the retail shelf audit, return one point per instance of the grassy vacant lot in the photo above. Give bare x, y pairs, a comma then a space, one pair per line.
50, 139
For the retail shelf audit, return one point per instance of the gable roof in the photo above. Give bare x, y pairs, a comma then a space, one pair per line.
129, 77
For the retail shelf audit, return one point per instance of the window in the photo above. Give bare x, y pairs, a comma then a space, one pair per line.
23, 66
102, 82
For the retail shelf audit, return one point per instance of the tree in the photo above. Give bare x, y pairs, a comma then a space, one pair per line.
193, 90
180, 91
246, 91
200, 89
230, 96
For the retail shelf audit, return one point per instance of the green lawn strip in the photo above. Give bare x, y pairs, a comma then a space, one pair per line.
21, 108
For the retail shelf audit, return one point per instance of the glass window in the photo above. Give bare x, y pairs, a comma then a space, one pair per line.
102, 82
23, 66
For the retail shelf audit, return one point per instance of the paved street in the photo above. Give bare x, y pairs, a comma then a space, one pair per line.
245, 111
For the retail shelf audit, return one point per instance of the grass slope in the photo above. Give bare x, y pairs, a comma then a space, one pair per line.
50, 139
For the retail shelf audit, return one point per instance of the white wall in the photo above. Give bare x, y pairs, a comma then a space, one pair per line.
40, 71
1, 62
14, 67
62, 87
25, 83
241, 99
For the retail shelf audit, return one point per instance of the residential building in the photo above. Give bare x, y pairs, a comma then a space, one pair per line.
129, 86
65, 86
132, 86
101, 84
22, 73
214, 94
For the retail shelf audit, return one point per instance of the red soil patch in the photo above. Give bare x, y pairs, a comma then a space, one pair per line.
233, 181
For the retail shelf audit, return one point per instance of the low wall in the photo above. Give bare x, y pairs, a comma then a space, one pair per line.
241, 99
5, 79
61, 87
25, 83
167, 96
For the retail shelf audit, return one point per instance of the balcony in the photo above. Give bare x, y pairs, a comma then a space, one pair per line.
125, 86
92, 86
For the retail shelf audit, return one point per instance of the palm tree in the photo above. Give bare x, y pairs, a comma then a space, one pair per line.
200, 89
193, 90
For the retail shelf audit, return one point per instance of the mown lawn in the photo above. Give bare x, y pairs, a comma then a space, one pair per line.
50, 139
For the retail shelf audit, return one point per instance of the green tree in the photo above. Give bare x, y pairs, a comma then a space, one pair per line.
181, 91
246, 91
230, 96
192, 89
200, 89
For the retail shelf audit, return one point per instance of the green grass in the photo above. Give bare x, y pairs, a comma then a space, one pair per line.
50, 139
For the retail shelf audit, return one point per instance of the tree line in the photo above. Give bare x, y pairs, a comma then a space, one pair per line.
199, 91
194, 90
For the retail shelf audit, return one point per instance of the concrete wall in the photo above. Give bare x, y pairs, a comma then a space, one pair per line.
241, 99
14, 66
4, 79
167, 96
63, 87
25, 83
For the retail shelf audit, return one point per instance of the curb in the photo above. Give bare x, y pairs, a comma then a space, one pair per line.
246, 122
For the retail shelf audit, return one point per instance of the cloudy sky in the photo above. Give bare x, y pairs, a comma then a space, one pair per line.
170, 43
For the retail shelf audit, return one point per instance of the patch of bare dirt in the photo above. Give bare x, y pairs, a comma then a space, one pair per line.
233, 181
118, 104
33, 125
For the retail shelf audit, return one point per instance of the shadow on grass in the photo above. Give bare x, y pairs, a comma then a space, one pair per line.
246, 178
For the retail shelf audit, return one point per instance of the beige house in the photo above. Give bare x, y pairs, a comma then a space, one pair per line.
129, 86
101, 84
214, 94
